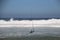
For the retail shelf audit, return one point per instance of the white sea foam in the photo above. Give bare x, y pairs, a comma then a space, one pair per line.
29, 23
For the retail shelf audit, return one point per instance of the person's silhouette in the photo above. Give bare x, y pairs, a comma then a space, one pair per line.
31, 31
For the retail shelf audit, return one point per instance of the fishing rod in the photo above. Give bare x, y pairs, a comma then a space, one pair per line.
32, 30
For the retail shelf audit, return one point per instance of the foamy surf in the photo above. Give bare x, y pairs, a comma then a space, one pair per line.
29, 23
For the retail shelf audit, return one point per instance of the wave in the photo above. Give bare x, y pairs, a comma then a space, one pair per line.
29, 23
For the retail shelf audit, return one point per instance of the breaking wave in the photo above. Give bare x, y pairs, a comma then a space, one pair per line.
29, 23
18, 28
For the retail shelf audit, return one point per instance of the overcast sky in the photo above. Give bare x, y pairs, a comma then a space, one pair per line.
28, 8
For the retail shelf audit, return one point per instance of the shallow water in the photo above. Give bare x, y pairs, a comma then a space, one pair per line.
24, 31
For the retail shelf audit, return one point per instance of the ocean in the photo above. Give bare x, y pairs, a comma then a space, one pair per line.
13, 29
23, 31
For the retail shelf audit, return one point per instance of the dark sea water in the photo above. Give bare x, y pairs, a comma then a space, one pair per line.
7, 19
